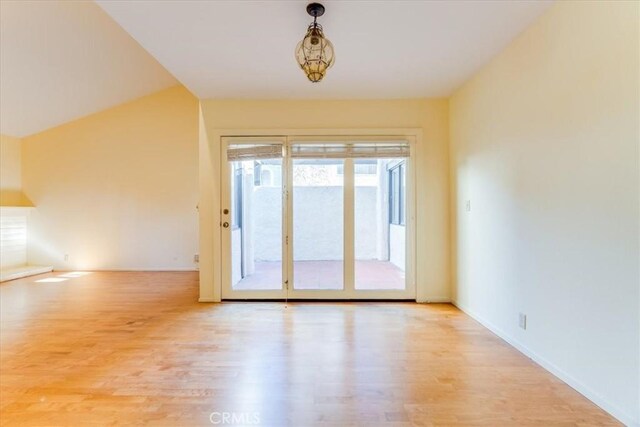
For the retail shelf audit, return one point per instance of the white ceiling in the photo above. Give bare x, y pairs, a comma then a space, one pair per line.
61, 60
384, 49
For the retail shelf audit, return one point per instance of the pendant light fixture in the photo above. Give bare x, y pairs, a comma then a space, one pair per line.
315, 52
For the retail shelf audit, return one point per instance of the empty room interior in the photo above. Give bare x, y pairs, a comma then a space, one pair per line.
346, 213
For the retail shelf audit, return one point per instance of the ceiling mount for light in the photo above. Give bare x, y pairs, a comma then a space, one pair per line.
315, 53
315, 9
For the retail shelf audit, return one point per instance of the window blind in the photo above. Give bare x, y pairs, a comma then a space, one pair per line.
240, 152
386, 150
362, 150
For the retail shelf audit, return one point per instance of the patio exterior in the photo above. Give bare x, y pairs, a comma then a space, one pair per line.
325, 275
318, 229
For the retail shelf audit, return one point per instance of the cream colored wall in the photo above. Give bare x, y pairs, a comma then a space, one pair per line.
117, 189
11, 172
432, 217
10, 167
544, 144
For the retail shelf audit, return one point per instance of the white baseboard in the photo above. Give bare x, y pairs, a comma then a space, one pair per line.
207, 300
23, 271
577, 385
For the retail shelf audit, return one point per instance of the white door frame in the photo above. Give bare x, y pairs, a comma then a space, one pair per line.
348, 293
227, 290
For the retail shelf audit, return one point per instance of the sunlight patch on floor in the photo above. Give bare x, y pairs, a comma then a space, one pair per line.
51, 280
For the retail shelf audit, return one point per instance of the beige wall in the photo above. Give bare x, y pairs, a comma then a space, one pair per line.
432, 217
11, 172
117, 189
545, 147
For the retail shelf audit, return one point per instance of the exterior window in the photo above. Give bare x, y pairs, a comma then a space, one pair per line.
236, 218
403, 193
257, 173
362, 167
397, 194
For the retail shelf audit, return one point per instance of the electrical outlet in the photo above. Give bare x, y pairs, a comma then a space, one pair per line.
522, 321
468, 205
66, 257
196, 258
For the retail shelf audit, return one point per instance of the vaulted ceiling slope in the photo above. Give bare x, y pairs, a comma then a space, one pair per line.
384, 49
61, 60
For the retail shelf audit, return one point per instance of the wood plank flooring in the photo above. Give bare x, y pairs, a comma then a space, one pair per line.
137, 349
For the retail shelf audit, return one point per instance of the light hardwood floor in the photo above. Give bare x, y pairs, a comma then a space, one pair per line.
136, 348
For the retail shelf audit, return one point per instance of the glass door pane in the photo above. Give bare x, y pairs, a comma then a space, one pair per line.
379, 225
318, 224
256, 224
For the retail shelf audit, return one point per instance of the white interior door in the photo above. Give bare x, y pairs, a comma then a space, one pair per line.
310, 220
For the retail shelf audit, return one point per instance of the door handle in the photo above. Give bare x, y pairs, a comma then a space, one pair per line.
225, 224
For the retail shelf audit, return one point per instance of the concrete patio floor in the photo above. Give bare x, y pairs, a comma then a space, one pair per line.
325, 275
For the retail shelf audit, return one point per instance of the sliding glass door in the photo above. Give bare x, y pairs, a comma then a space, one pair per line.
318, 224
303, 219
380, 227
